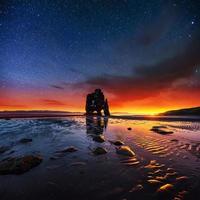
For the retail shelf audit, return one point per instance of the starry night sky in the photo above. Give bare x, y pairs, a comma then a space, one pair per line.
145, 55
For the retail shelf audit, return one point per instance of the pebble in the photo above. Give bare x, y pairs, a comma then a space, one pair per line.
125, 150
117, 142
138, 187
99, 151
154, 181
68, 150
165, 188
78, 164
182, 178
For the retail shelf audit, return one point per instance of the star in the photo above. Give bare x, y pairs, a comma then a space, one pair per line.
80, 41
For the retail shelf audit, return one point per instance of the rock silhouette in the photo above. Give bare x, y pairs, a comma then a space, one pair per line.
96, 102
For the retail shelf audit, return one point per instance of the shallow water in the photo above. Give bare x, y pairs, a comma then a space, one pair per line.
159, 159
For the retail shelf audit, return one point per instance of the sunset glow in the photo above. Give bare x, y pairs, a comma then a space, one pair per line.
62, 101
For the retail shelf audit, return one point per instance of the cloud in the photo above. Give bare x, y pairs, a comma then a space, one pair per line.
150, 33
57, 87
51, 102
153, 32
12, 106
150, 80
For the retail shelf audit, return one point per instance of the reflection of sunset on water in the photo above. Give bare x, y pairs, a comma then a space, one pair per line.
121, 157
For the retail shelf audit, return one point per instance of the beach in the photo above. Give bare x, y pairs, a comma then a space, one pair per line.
164, 163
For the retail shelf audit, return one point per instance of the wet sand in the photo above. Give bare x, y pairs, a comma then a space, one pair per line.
165, 166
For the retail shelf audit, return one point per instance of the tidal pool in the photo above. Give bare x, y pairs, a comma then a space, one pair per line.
164, 166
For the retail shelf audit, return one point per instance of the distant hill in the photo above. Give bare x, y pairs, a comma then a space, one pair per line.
182, 112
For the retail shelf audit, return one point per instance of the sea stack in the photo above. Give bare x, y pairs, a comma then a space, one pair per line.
96, 102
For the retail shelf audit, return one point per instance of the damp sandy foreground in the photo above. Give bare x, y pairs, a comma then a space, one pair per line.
99, 158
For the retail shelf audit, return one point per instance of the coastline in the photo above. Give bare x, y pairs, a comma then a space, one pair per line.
7, 115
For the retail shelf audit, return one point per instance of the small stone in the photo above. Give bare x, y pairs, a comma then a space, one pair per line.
160, 130
53, 158
138, 187
99, 151
158, 171
161, 178
132, 163
156, 127
117, 142
53, 167
19, 165
169, 169
25, 140
78, 164
68, 150
182, 178
165, 188
154, 165
129, 128
99, 138
174, 140
170, 174
154, 181
125, 150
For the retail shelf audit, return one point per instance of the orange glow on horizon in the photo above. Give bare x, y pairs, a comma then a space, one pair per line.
75, 101
117, 111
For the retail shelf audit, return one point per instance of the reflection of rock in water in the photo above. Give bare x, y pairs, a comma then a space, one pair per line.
95, 125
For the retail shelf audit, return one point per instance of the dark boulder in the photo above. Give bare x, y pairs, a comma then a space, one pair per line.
19, 165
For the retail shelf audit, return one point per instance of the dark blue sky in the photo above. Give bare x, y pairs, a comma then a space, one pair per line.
49, 45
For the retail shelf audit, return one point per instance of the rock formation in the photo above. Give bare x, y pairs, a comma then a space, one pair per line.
96, 102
